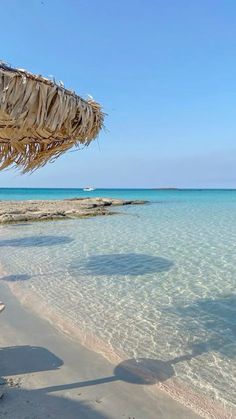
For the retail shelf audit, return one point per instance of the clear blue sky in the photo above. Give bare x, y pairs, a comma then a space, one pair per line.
165, 72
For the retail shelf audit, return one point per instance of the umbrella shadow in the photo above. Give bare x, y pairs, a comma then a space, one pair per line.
15, 278
16, 360
36, 241
216, 319
26, 359
31, 359
142, 371
122, 264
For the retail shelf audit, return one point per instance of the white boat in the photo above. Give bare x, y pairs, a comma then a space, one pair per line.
88, 189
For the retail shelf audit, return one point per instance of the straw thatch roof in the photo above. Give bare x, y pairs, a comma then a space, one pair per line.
40, 119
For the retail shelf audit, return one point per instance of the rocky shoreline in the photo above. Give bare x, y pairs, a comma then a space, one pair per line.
23, 211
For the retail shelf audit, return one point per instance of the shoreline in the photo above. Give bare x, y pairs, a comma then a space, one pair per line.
179, 393
49, 374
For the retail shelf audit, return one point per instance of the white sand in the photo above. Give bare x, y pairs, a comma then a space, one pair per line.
51, 376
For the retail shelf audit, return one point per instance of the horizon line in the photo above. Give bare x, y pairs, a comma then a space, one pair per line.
123, 188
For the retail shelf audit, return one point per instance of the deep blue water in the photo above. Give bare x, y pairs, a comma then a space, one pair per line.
204, 195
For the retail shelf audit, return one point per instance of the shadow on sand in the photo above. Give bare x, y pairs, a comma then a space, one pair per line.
15, 360
143, 371
31, 403
122, 264
31, 359
34, 403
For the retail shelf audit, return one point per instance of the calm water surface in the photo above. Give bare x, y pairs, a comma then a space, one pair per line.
156, 282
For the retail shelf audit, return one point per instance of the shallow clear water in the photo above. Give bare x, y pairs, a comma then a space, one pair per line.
155, 282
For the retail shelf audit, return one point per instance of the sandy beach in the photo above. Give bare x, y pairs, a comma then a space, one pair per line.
50, 375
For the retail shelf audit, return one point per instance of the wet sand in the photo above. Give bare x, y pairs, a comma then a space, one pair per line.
50, 375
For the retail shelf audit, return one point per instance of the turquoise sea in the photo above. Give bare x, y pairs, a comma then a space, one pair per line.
155, 284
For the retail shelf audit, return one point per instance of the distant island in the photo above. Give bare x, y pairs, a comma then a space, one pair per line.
169, 188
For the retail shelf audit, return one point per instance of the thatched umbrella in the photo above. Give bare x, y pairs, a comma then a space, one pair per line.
40, 119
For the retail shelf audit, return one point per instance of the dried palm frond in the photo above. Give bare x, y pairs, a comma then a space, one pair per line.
40, 119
